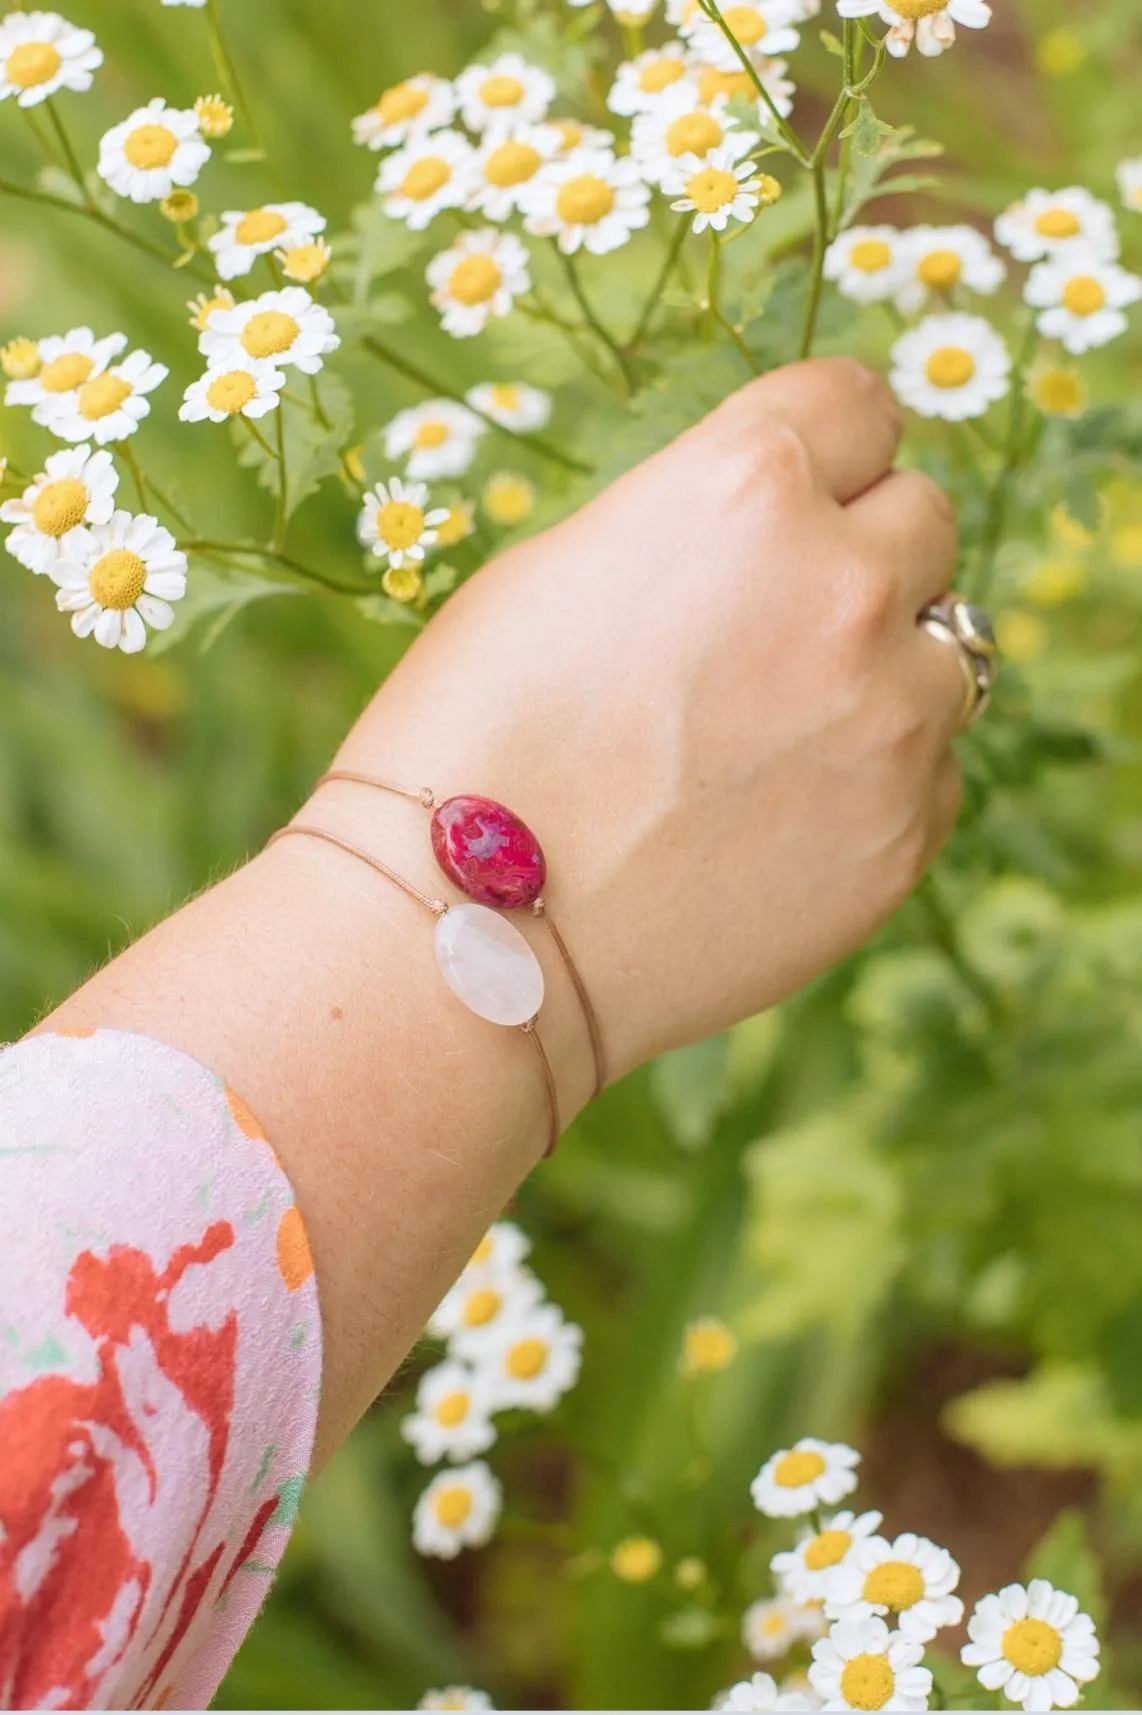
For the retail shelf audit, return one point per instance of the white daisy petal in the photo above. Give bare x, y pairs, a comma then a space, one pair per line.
953, 366
154, 149
1032, 1643
40, 53
107, 581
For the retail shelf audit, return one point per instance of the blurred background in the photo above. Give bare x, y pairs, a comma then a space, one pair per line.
915, 1193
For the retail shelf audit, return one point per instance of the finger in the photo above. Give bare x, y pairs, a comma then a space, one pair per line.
906, 526
947, 800
944, 681
845, 414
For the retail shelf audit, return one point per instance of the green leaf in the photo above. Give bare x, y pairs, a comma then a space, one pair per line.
866, 130
383, 610
312, 447
1066, 1557
388, 309
215, 594
691, 1629
439, 580
1056, 1417
690, 1088
377, 245
832, 44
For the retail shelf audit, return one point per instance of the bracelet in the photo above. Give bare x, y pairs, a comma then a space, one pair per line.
503, 955
491, 855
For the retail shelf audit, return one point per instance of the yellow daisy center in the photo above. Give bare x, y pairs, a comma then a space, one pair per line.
867, 1682
660, 74
896, 1583
508, 499
259, 226
231, 392
483, 1251
269, 332
505, 396
430, 435
828, 1548
502, 92
32, 63
400, 524
306, 261
475, 280
452, 1506
483, 1305
1058, 392
794, 1470
65, 373
215, 116
694, 134
204, 307
101, 396
636, 1559
713, 82
774, 1625
20, 359
1032, 1647
708, 1345
455, 527
512, 164
913, 9
452, 1409
526, 1359
712, 189
870, 256
150, 146
940, 269
1083, 295
118, 579
60, 506
746, 24
584, 200
401, 103
951, 366
425, 177
1058, 223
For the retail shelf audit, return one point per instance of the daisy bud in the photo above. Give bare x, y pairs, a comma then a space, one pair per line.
459, 524
402, 583
204, 305
305, 262
1058, 392
215, 116
355, 464
179, 207
707, 1346
20, 359
769, 189
508, 499
636, 1559
690, 1573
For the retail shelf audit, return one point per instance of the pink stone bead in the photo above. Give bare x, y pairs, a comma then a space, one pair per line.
488, 852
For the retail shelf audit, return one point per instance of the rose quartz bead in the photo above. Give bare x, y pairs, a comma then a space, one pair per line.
488, 852
488, 965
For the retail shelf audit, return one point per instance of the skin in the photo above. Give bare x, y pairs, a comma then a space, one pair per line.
708, 695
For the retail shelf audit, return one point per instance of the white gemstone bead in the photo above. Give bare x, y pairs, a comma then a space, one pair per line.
488, 965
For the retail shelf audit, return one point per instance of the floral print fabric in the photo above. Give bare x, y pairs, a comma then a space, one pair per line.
160, 1354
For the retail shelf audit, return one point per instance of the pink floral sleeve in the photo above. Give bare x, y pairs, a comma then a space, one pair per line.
160, 1358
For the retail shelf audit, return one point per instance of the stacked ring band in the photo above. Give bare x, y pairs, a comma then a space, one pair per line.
969, 631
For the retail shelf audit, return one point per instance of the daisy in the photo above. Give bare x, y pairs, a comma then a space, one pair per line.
573, 134
931, 24
111, 405
117, 578
458, 526
509, 498
759, 26
20, 358
939, 258
203, 306
1051, 223
1031, 1643
1057, 390
911, 1580
1082, 300
641, 83
243, 386
508, 92
395, 524
410, 109
760, 1692
587, 200
712, 84
771, 1628
1129, 176
716, 190
533, 1360
285, 327
481, 276
452, 1419
505, 162
66, 361
76, 486
438, 438
804, 1572
305, 262
41, 52
811, 1473
708, 1346
953, 367
483, 1301
502, 1248
427, 175
246, 235
512, 405
459, 1509
867, 263
457, 1697
215, 117
636, 1559
862, 1665
680, 126
152, 151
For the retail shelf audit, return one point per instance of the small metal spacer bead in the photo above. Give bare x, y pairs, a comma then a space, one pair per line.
439, 907
427, 797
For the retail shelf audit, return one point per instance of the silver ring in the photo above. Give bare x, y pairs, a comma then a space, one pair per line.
969, 630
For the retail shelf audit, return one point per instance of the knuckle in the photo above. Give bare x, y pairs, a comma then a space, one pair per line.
769, 457
870, 604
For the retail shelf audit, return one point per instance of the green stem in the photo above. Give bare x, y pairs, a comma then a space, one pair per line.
593, 321
318, 409
440, 390
282, 513
943, 933
577, 336
1014, 452
818, 167
240, 551
132, 464
713, 294
669, 263
69, 153
259, 437
227, 70
853, 52
785, 130
88, 211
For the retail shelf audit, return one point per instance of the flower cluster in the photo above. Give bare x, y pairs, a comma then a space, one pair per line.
884, 1600
508, 1349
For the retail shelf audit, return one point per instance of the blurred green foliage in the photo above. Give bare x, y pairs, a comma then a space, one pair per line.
931, 1163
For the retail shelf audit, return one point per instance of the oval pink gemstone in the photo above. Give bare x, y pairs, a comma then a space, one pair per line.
488, 852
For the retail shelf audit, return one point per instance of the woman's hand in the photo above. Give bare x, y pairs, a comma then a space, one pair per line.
708, 695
